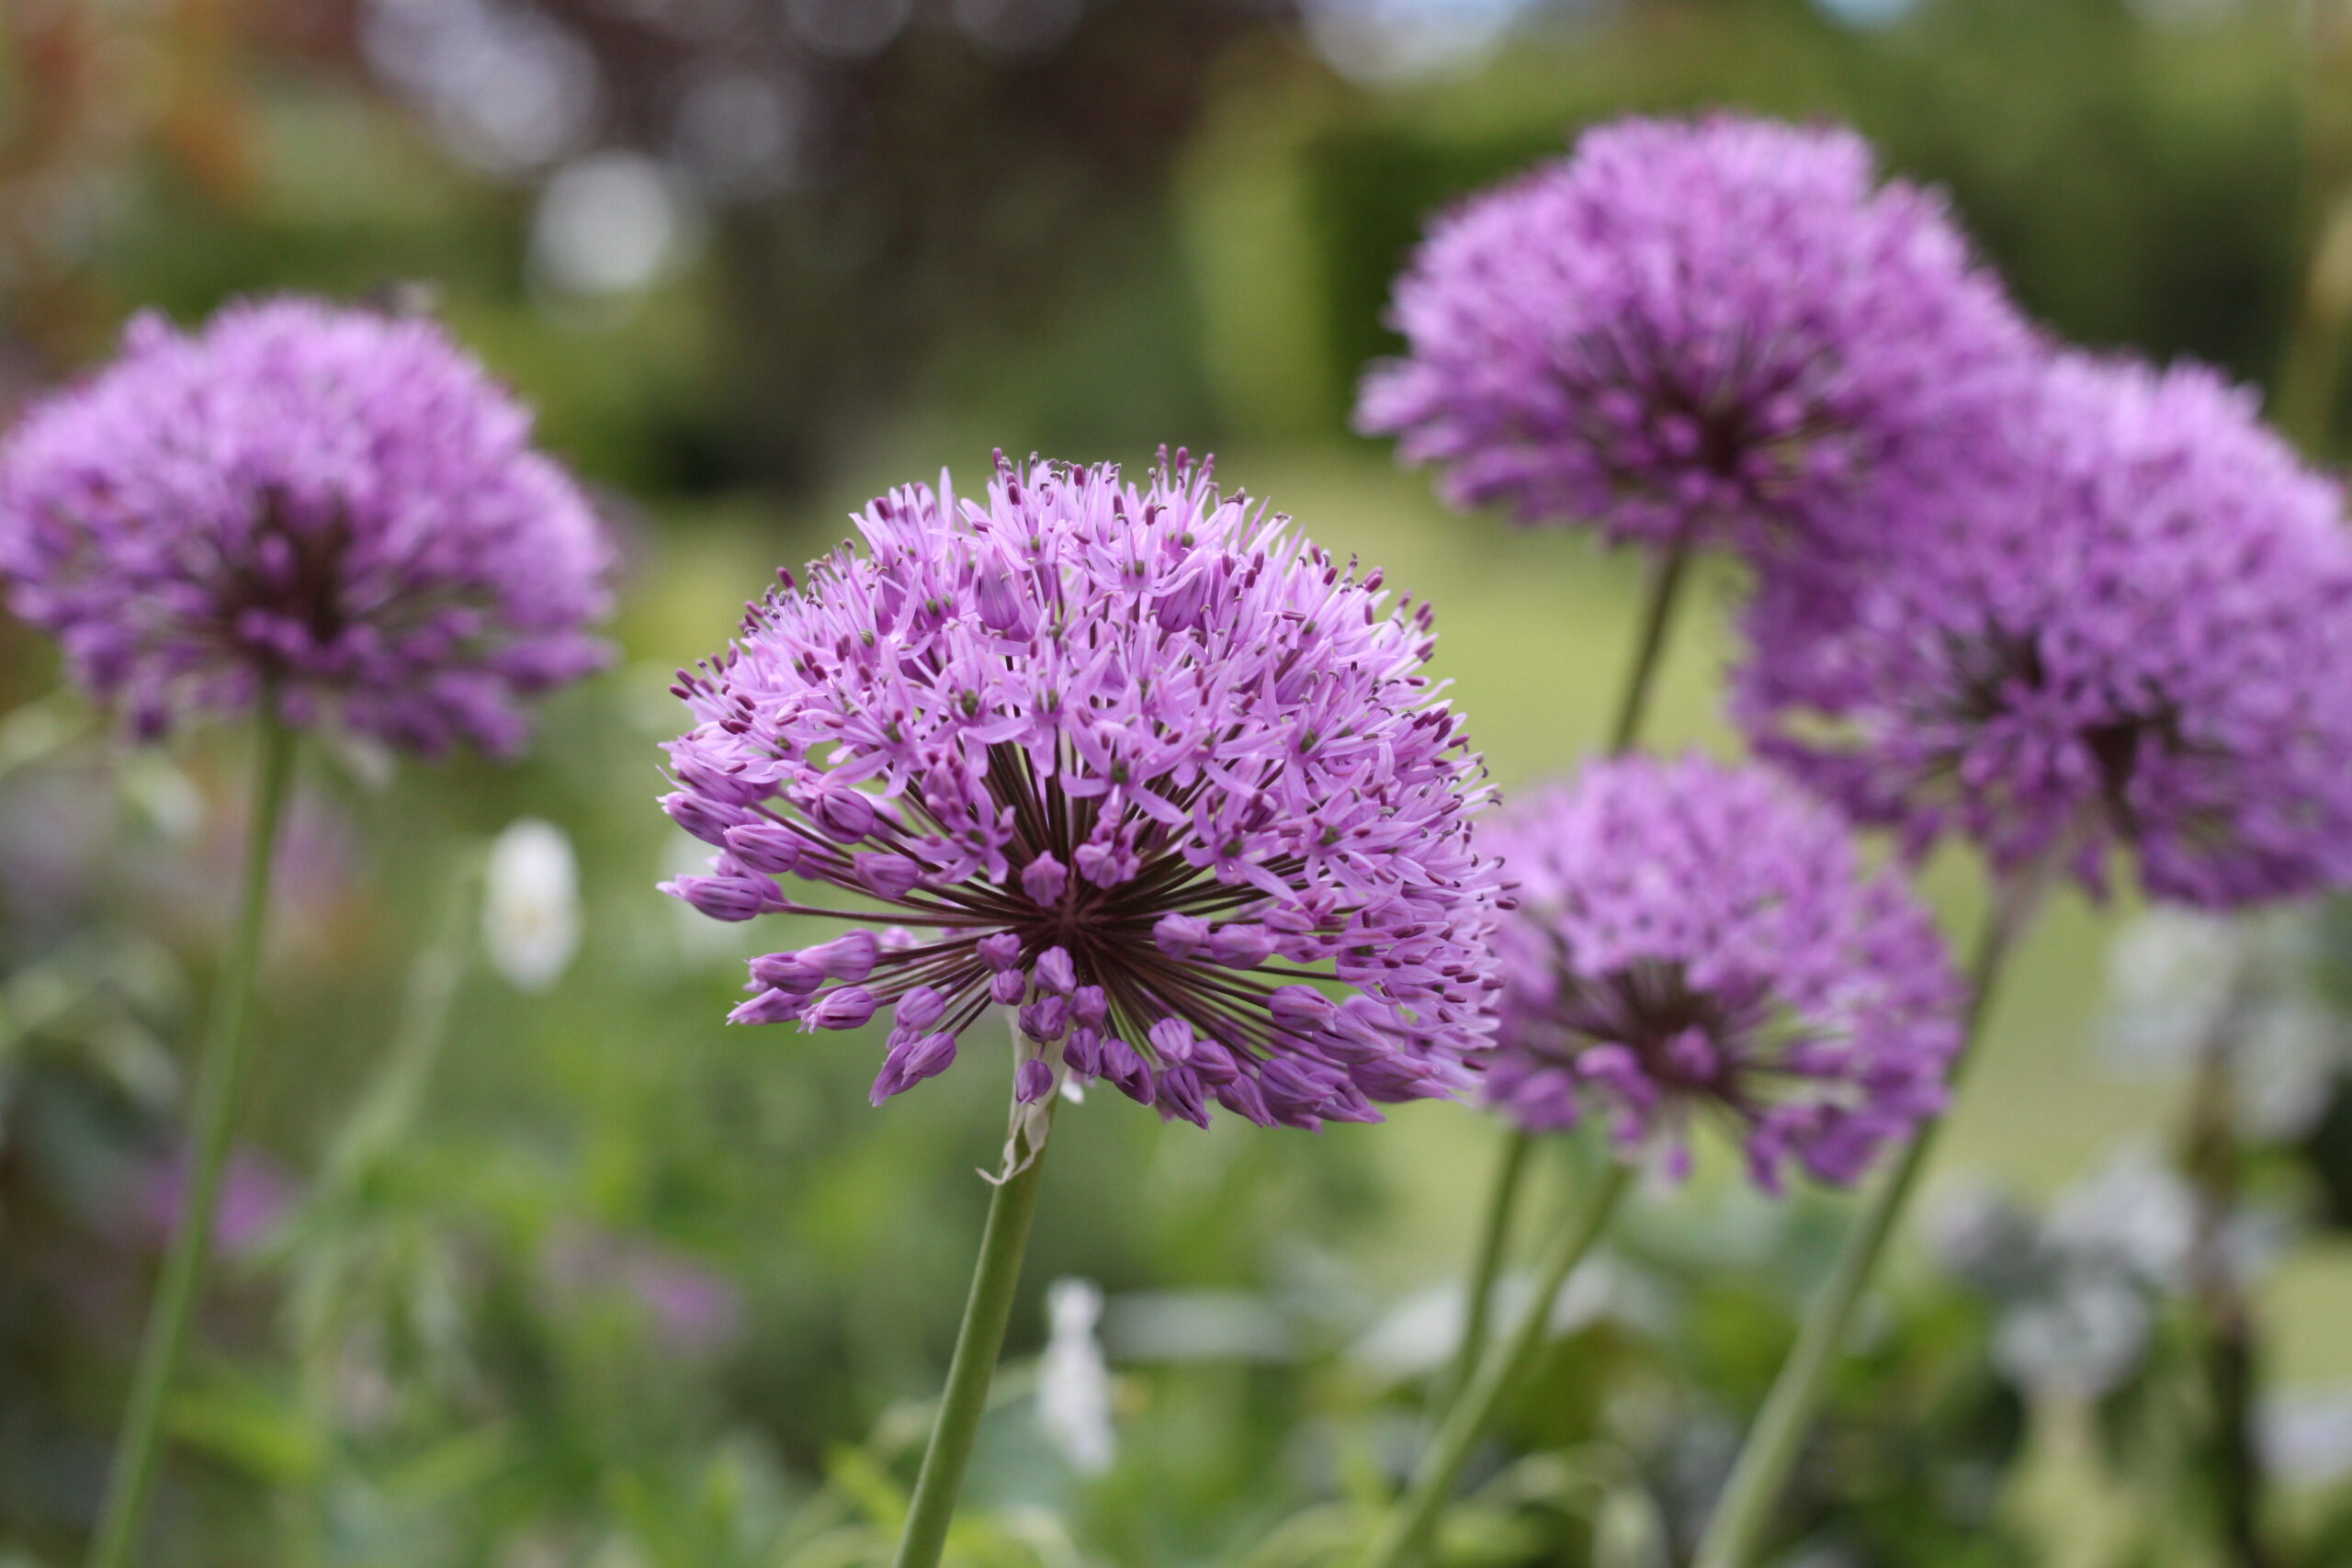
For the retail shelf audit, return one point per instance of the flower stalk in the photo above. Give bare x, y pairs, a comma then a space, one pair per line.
995, 1279
1502, 1203
216, 1087
1761, 1473
1409, 1523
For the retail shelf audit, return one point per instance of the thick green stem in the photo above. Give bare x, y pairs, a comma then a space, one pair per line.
215, 1106
1773, 1443
2228, 1346
1666, 576
1415, 1515
974, 1366
1666, 589
2310, 374
1494, 1240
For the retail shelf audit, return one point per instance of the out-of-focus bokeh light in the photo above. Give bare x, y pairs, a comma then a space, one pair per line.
610, 224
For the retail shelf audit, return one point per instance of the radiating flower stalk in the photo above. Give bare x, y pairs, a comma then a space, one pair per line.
218, 1077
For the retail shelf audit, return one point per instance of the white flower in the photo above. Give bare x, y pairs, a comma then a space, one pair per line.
2171, 974
2134, 1215
2177, 976
2307, 1437
530, 911
2083, 1339
1073, 1382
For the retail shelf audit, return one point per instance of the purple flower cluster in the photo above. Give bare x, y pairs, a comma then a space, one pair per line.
334, 504
1694, 938
1688, 332
1136, 761
2136, 637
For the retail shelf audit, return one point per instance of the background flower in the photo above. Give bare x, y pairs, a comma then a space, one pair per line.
1698, 940
1715, 330
2136, 638
530, 910
338, 501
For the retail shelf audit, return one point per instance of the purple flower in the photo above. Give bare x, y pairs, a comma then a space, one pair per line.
2136, 637
256, 1193
1151, 761
334, 500
1691, 331
1695, 939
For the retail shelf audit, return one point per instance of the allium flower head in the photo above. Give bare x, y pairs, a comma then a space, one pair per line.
335, 502
1695, 939
2137, 638
1136, 760
1721, 330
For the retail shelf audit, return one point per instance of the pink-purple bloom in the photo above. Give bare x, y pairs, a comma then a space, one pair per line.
2134, 637
1137, 761
1696, 940
1690, 332
336, 504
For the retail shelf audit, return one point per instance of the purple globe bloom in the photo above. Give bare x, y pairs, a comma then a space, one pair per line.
1137, 761
336, 503
2136, 637
1721, 329
1696, 939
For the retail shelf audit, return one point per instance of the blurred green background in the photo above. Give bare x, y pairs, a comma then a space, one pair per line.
599, 1281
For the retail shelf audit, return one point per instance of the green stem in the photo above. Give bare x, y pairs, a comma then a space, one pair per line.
1494, 1239
1665, 591
216, 1104
2227, 1348
1772, 1446
325, 1258
1415, 1514
1666, 575
968, 1375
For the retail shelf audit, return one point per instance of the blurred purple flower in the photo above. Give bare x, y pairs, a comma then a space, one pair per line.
1695, 939
1720, 329
1139, 761
2135, 638
335, 500
692, 1309
256, 1194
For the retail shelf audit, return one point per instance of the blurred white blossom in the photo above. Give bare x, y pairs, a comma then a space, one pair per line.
2177, 976
2307, 1437
1419, 1334
509, 90
2077, 1289
611, 223
530, 910
1073, 1382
